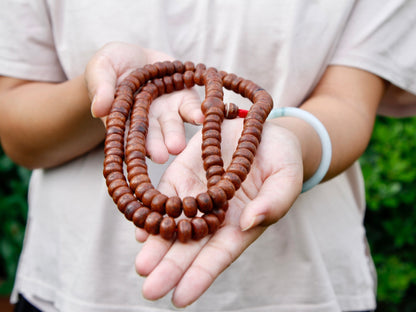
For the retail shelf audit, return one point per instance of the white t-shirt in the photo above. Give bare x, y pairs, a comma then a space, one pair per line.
79, 250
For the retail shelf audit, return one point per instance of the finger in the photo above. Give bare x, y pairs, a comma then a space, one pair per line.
170, 124
155, 143
141, 235
151, 253
170, 269
101, 82
190, 107
276, 196
222, 249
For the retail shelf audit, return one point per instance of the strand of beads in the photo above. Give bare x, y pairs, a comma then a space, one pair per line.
135, 196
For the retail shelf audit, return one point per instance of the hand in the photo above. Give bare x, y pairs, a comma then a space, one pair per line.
273, 184
110, 65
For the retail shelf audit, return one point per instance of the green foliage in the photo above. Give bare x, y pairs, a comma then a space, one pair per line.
389, 168
13, 214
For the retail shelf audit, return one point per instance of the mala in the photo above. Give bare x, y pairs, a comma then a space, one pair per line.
135, 195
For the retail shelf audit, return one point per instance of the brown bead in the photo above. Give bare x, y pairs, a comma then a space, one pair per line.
189, 66
210, 150
118, 192
170, 68
188, 78
139, 178
174, 207
228, 79
218, 196
178, 81
245, 153
148, 196
184, 230
139, 216
113, 158
231, 110
213, 180
215, 170
228, 187
152, 223
112, 167
114, 176
169, 88
204, 202
220, 214
242, 161
142, 188
179, 67
161, 68
158, 203
233, 178
210, 125
211, 142
167, 228
190, 206
213, 160
115, 184
131, 209
211, 102
239, 170
124, 200
215, 111
160, 85
212, 221
248, 145
199, 228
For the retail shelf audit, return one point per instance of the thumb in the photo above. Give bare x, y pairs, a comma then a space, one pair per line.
101, 82
276, 196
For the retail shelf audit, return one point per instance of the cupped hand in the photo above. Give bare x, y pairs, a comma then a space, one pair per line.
110, 65
273, 184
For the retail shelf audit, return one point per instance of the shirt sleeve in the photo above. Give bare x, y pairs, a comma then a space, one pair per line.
27, 48
380, 37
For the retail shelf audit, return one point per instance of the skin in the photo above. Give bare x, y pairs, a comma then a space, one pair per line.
345, 100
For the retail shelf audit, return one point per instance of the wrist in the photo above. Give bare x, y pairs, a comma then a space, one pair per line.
313, 138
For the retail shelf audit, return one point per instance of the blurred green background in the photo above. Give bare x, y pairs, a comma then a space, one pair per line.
389, 167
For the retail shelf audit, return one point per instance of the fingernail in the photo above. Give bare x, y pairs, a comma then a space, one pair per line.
254, 222
92, 105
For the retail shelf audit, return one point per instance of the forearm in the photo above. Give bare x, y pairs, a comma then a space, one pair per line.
46, 124
345, 101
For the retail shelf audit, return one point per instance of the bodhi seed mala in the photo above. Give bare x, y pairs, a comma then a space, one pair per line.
135, 195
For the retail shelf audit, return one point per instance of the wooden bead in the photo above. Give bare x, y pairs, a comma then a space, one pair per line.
158, 203
215, 170
142, 188
213, 180
124, 200
152, 223
118, 192
174, 206
184, 230
188, 78
228, 187
190, 206
139, 216
218, 196
233, 178
131, 208
148, 196
220, 214
178, 82
231, 110
167, 228
212, 221
213, 160
199, 228
204, 202
115, 184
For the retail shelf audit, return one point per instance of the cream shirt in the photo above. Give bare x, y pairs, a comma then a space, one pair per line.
79, 250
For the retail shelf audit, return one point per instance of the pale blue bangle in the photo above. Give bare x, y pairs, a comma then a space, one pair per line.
323, 135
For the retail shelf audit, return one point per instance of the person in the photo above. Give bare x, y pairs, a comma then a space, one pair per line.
277, 250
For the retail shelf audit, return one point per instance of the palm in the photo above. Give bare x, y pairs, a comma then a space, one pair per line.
110, 65
268, 192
